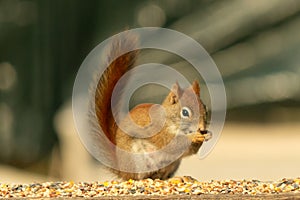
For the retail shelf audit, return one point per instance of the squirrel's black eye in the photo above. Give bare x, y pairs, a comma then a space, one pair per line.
185, 112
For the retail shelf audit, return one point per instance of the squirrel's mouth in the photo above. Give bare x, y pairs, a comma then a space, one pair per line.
203, 132
207, 134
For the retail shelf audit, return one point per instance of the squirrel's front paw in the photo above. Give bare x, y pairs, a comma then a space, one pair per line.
200, 137
196, 137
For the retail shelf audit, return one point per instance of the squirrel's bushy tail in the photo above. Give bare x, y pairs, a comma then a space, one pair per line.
115, 70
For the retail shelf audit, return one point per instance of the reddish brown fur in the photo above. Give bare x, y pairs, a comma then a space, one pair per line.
140, 114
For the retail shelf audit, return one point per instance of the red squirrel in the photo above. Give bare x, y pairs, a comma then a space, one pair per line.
184, 112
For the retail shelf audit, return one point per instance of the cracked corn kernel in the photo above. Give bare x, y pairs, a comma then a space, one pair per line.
105, 183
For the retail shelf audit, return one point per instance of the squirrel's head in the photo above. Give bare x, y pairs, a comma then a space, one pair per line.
185, 108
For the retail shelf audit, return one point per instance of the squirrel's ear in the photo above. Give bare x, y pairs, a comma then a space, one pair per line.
175, 93
196, 87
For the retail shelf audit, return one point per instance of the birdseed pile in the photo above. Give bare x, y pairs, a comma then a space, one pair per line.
175, 186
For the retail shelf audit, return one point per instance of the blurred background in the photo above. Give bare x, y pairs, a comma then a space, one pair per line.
255, 44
